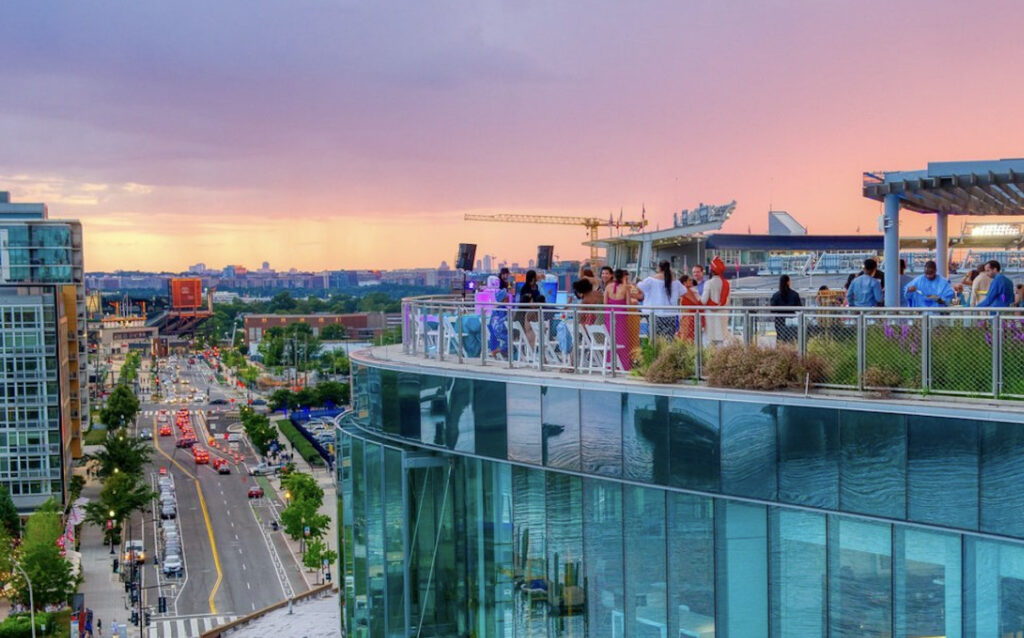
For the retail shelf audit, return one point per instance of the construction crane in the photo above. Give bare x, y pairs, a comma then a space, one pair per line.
591, 223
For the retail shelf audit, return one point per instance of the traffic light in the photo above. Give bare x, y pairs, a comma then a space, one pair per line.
145, 617
135, 617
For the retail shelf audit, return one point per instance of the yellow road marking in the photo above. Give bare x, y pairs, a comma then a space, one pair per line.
206, 518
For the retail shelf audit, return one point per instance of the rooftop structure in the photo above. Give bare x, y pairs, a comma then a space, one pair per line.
782, 223
12, 210
944, 188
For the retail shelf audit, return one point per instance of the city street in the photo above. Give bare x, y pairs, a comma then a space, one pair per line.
231, 564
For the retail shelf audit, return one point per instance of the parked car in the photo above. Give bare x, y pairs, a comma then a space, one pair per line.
255, 492
173, 566
168, 510
263, 469
145, 434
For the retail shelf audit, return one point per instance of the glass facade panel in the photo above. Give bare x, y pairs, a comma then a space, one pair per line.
690, 538
433, 409
994, 601
524, 439
646, 575
1002, 466
601, 424
748, 450
645, 438
799, 564
566, 597
603, 560
927, 578
694, 444
741, 569
375, 536
860, 578
529, 515
394, 542
460, 424
560, 427
942, 471
489, 411
873, 470
809, 456
409, 405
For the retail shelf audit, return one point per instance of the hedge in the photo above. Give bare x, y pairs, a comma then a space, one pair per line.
20, 626
299, 442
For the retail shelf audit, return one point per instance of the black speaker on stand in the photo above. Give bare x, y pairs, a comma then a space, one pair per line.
544, 257
464, 262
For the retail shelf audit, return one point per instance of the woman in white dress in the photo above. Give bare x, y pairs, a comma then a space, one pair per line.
716, 293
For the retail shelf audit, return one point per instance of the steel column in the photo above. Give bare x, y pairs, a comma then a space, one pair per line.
892, 250
942, 243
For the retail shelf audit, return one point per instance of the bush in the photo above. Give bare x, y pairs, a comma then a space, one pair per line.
673, 363
882, 377
756, 368
299, 442
20, 625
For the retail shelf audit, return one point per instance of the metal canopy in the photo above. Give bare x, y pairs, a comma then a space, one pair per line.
955, 188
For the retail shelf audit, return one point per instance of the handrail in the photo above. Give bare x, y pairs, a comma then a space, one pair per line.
942, 350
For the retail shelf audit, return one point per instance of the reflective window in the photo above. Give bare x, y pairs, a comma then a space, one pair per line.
409, 405
942, 471
646, 576
927, 577
387, 418
601, 424
359, 611
565, 583
1002, 466
691, 565
530, 543
748, 450
602, 543
645, 438
460, 425
809, 456
994, 596
375, 537
523, 423
860, 578
489, 410
798, 568
873, 463
741, 569
394, 524
560, 427
433, 409
693, 435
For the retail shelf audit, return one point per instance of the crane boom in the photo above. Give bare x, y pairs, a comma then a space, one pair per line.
590, 223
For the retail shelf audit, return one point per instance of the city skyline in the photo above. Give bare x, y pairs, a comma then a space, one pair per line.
328, 137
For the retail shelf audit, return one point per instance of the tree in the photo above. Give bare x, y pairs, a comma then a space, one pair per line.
333, 332
258, 429
282, 302
40, 557
280, 399
331, 392
122, 494
122, 452
305, 398
249, 374
121, 407
314, 551
301, 514
9, 516
271, 346
303, 487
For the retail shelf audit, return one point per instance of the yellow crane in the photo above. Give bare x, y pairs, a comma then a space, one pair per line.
590, 223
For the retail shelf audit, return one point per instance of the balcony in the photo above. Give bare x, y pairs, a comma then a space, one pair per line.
956, 352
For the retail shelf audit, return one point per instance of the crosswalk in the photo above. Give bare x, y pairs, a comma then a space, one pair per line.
189, 627
168, 412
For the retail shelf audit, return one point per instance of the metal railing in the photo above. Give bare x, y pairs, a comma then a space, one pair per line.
952, 351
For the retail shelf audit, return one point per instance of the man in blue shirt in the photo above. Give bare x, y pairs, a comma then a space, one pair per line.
929, 290
1000, 292
865, 291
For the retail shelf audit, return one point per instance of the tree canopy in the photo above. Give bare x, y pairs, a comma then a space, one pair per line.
9, 513
122, 452
122, 494
121, 408
40, 557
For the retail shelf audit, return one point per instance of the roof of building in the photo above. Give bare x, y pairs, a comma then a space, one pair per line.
726, 241
993, 187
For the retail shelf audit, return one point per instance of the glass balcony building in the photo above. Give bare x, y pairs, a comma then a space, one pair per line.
483, 502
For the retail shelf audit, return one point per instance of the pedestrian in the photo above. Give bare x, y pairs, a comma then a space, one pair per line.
114, 627
99, 626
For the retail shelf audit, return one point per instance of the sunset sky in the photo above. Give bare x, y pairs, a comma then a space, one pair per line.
323, 134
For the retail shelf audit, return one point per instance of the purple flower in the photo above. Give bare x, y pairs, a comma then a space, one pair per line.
905, 331
988, 337
888, 330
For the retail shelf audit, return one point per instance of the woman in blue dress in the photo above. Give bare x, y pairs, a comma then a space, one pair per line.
497, 326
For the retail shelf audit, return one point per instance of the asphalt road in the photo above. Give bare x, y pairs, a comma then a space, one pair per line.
231, 568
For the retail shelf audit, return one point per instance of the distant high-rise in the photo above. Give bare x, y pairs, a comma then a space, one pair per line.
531, 263
197, 268
487, 264
44, 401
479, 264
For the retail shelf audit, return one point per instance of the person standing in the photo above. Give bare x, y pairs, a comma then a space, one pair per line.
698, 278
662, 290
904, 281
618, 294
99, 627
716, 293
930, 289
785, 296
979, 286
865, 291
114, 627
689, 298
1000, 291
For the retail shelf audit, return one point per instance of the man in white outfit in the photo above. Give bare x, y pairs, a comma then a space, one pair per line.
716, 293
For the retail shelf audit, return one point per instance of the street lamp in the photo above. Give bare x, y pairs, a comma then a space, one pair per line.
111, 521
31, 601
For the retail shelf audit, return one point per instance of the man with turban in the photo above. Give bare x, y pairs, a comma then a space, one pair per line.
716, 293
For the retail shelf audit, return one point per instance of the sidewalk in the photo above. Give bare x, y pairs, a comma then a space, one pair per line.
103, 590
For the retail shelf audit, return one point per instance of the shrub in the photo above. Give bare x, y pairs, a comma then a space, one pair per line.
299, 442
882, 377
756, 368
20, 626
673, 363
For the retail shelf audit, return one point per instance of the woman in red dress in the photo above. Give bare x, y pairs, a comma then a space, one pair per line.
688, 298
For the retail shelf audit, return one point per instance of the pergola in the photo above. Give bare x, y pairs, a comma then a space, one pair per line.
945, 188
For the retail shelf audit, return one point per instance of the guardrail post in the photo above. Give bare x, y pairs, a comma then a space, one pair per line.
746, 328
698, 344
861, 349
442, 345
423, 319
509, 334
458, 331
997, 355
926, 352
801, 333
405, 327
483, 335
576, 332
541, 338
613, 350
